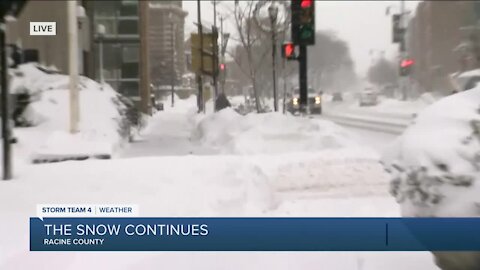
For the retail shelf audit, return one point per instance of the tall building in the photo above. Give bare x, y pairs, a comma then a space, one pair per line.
434, 34
121, 46
167, 42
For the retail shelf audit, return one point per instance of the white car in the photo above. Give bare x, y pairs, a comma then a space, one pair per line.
368, 97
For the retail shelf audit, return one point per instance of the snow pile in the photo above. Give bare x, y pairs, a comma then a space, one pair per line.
100, 115
435, 164
187, 186
269, 133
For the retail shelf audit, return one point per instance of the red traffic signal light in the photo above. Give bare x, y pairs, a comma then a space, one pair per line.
306, 3
288, 51
406, 63
222, 66
406, 67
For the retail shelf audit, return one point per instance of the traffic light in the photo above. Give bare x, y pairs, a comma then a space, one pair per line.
222, 66
397, 30
303, 22
406, 66
288, 51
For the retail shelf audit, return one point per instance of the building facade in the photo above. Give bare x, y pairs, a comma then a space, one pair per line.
167, 42
433, 36
52, 50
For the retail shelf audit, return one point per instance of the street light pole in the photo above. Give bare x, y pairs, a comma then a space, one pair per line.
101, 33
173, 62
273, 12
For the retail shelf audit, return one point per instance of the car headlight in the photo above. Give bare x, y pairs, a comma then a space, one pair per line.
317, 100
295, 101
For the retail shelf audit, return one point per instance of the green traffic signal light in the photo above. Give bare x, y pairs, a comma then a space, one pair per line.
306, 32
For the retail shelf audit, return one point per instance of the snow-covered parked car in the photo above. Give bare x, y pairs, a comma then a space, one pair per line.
435, 167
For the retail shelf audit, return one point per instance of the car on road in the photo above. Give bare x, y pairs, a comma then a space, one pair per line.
314, 101
337, 97
368, 97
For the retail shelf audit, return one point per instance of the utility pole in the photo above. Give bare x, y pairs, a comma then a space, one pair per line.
199, 74
215, 55
73, 64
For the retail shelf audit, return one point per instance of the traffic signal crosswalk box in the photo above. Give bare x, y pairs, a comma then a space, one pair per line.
209, 53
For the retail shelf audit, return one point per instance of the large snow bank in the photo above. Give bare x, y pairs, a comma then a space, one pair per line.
268, 133
435, 164
190, 186
100, 115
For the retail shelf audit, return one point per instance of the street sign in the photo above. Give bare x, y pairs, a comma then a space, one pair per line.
209, 66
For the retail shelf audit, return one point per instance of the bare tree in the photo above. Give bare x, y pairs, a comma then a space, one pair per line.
247, 37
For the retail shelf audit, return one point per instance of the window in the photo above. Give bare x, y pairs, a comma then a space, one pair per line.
128, 27
129, 10
130, 70
129, 88
106, 9
130, 53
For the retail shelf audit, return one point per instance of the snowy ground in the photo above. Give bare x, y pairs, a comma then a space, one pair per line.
186, 164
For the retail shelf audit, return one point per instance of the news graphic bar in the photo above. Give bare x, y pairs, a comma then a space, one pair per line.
255, 234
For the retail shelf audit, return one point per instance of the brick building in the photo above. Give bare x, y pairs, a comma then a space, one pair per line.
433, 34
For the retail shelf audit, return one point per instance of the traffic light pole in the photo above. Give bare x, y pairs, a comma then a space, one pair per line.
302, 60
7, 158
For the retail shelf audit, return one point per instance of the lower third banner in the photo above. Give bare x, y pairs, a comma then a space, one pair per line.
255, 234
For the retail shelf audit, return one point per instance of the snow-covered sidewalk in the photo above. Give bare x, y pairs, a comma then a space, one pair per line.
168, 134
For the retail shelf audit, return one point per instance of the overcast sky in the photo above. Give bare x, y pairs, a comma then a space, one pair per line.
362, 24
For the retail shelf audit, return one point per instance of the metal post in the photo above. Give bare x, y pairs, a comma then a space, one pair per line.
173, 65
303, 79
215, 55
200, 81
284, 84
7, 157
100, 56
73, 64
274, 67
